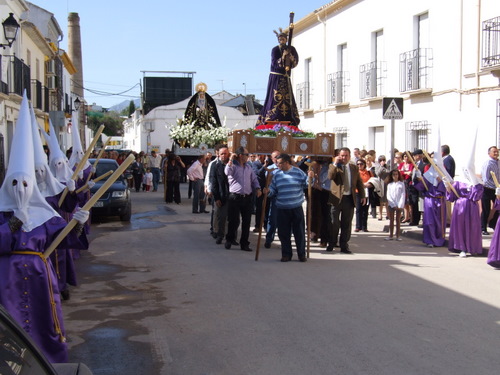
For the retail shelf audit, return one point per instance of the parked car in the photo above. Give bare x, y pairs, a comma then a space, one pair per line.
116, 201
20, 355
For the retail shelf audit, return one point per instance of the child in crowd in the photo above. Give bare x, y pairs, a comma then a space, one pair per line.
148, 179
396, 197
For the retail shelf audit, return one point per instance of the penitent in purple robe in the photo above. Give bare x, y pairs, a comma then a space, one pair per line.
62, 258
28, 284
494, 253
434, 212
280, 103
465, 228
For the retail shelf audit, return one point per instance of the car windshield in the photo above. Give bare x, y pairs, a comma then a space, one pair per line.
103, 168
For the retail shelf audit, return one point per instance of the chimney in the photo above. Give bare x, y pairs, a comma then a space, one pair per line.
75, 54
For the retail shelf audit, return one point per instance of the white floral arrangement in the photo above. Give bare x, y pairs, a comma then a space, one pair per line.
187, 135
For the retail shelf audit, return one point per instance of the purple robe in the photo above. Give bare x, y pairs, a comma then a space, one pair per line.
28, 284
494, 253
62, 258
280, 103
434, 222
465, 228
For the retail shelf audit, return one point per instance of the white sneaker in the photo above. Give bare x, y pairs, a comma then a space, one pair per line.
388, 238
399, 239
462, 254
430, 245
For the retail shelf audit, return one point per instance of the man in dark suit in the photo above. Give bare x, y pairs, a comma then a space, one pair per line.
449, 165
345, 180
448, 161
220, 192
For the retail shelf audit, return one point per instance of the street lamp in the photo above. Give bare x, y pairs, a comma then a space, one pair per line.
77, 104
10, 27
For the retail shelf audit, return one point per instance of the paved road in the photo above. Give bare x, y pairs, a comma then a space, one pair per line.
158, 296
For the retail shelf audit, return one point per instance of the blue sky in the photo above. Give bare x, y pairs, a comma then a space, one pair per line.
227, 43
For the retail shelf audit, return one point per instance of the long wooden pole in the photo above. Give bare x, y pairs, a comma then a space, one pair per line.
438, 170
309, 209
99, 156
82, 162
269, 177
89, 204
95, 180
415, 166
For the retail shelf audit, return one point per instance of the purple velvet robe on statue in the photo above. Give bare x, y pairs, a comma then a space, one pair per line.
434, 212
28, 284
494, 253
280, 103
465, 228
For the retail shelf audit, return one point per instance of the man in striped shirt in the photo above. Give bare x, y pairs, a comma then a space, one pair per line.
490, 165
287, 187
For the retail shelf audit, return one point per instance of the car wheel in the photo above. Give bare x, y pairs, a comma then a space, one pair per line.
127, 215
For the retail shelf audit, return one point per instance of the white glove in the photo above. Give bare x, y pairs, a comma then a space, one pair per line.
81, 216
445, 180
418, 174
22, 215
91, 184
92, 169
80, 175
497, 191
70, 184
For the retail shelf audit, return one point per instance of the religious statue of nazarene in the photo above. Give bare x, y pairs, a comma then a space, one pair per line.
280, 105
201, 110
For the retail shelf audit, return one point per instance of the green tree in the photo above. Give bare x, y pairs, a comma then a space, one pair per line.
112, 122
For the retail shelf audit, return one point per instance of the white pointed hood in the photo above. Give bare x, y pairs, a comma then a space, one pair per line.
58, 162
19, 192
78, 151
431, 175
469, 169
47, 183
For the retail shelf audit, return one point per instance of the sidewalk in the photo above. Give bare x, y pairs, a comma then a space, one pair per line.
413, 232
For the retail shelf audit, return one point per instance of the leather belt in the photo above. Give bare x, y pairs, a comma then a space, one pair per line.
240, 195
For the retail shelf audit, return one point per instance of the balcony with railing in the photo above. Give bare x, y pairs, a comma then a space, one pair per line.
372, 78
19, 77
490, 58
415, 70
303, 97
338, 84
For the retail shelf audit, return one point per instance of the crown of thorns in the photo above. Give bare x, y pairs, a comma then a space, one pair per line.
281, 33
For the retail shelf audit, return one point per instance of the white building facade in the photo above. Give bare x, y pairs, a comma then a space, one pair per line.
441, 57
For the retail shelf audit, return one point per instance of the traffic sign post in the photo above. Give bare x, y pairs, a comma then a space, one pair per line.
392, 108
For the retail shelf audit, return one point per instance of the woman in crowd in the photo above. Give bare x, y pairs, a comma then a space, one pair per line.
362, 210
173, 169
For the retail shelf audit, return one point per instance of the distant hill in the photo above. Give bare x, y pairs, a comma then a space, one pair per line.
121, 106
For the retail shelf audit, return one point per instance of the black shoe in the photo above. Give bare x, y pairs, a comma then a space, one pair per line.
267, 245
302, 259
255, 230
233, 242
65, 294
195, 212
214, 235
329, 248
246, 248
485, 233
206, 212
286, 259
218, 241
346, 251
227, 245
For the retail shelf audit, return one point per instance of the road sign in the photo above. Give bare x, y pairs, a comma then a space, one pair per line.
392, 108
